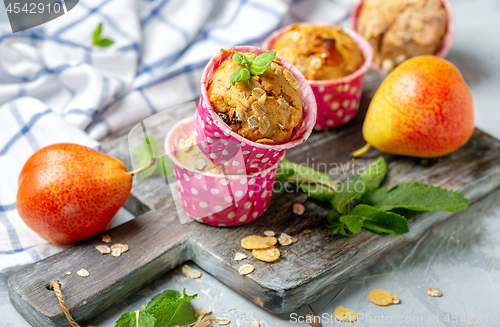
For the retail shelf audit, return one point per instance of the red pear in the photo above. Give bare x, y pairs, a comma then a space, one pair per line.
68, 192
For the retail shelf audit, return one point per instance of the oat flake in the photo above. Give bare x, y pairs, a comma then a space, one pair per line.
239, 256
298, 209
285, 239
222, 321
269, 233
433, 292
313, 319
191, 272
246, 269
106, 239
104, 249
83, 273
255, 323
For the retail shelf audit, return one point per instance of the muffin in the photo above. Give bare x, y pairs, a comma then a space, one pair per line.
189, 154
320, 52
266, 109
400, 29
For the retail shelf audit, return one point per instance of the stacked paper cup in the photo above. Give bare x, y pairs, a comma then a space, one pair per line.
241, 193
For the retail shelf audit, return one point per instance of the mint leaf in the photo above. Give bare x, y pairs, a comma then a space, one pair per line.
337, 227
96, 38
171, 308
262, 62
97, 33
103, 43
138, 318
353, 223
416, 197
240, 74
144, 152
379, 221
164, 166
317, 185
240, 58
375, 174
354, 188
351, 190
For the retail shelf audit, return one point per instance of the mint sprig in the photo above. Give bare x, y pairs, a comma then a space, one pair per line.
97, 40
170, 308
361, 202
145, 151
251, 66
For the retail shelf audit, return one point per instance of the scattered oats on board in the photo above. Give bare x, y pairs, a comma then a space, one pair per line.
285, 239
246, 269
191, 272
345, 315
104, 249
222, 321
257, 242
117, 249
269, 233
295, 239
68, 273
433, 292
239, 256
106, 239
313, 319
395, 299
267, 255
298, 209
255, 323
202, 311
380, 297
83, 273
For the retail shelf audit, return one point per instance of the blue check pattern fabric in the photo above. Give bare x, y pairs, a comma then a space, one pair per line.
55, 86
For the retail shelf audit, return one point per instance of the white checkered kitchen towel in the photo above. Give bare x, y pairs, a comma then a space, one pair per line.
56, 87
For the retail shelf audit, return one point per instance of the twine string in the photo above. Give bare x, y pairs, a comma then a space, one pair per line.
203, 321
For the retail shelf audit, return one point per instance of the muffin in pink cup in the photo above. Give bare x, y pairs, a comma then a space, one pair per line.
256, 120
335, 61
207, 193
401, 29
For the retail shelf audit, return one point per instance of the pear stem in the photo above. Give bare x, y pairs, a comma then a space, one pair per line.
362, 151
143, 168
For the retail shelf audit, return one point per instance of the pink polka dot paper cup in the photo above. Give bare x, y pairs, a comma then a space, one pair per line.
235, 153
337, 100
445, 46
218, 199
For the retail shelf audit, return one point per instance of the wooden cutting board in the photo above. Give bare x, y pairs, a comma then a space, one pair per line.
307, 269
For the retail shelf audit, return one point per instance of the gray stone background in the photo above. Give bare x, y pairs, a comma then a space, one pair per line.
460, 257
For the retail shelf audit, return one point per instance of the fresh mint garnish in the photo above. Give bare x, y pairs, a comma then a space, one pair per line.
251, 66
361, 202
315, 184
148, 149
416, 197
138, 318
170, 308
101, 42
262, 62
240, 74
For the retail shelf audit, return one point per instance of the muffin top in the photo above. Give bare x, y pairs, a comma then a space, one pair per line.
320, 52
190, 155
265, 109
400, 29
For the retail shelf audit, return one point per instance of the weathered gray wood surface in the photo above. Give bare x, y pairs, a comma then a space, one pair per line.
306, 270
